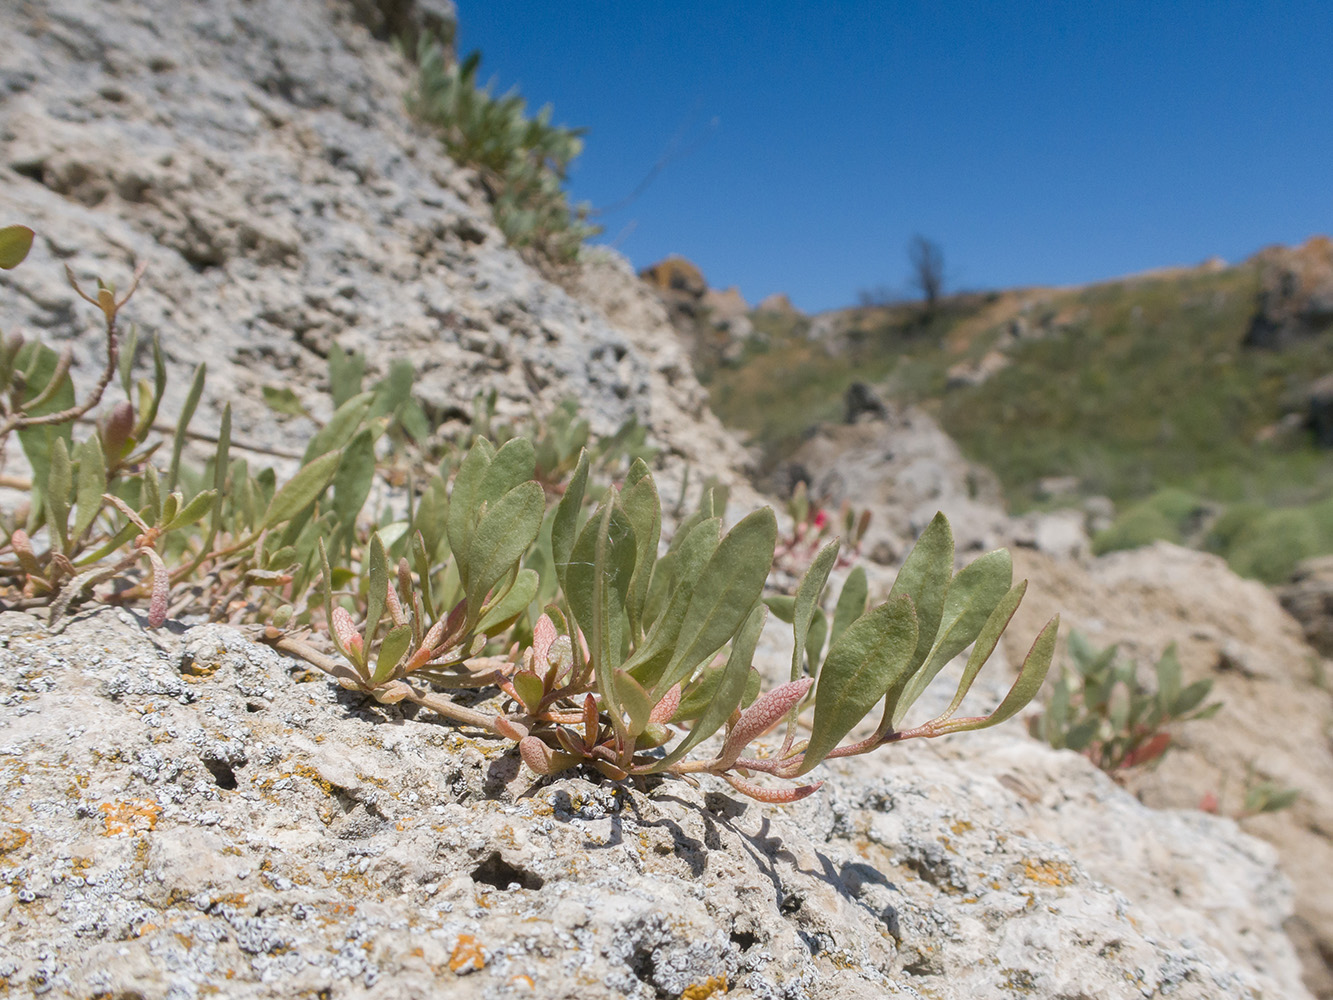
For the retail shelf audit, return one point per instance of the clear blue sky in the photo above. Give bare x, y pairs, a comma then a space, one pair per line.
1037, 143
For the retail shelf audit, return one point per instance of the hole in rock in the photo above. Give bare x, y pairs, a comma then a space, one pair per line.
222, 773
498, 872
744, 940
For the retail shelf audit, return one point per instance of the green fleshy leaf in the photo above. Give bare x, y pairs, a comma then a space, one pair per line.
1191, 697
376, 593
1169, 677
345, 374
502, 536
530, 689
92, 484
1025, 688
724, 694
871, 656
851, 602
636, 702
302, 490
644, 509
806, 602
724, 595
972, 596
613, 567
925, 578
513, 464
815, 640
996, 622
432, 519
394, 389
503, 612
564, 529
354, 476
38, 364
59, 483
465, 499
183, 424
340, 428
284, 400
15, 242
689, 563
391, 652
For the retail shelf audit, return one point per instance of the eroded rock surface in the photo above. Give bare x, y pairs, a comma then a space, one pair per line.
181, 814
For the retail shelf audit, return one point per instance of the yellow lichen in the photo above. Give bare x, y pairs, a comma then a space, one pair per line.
467, 955
1056, 873
130, 816
704, 990
12, 838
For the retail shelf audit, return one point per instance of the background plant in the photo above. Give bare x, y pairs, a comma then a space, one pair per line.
1104, 711
523, 161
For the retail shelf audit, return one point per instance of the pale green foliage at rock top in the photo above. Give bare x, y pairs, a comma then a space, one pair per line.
620, 658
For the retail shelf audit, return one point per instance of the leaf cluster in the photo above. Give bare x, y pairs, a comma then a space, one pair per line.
508, 568
523, 161
1104, 711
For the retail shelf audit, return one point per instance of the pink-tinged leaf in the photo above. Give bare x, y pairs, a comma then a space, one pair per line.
590, 726
395, 607
127, 510
510, 729
767, 711
536, 754
157, 607
543, 634
1208, 803
666, 708
344, 630
774, 796
23, 549
1151, 750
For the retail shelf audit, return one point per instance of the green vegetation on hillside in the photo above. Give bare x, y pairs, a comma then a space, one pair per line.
523, 161
1141, 389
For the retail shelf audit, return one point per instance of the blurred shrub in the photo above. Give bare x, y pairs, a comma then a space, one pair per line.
522, 161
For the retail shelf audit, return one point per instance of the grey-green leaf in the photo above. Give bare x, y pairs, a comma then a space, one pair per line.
92, 484
730, 689
1025, 688
391, 652
15, 242
302, 489
807, 601
925, 578
725, 594
851, 602
503, 534
972, 596
564, 529
871, 656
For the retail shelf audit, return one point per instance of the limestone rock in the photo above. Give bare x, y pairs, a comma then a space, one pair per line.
184, 813
256, 155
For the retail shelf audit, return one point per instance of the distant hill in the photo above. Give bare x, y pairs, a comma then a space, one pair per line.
1191, 397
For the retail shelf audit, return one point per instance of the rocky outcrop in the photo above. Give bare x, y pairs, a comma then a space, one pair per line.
256, 156
1308, 597
185, 814
1295, 296
1277, 707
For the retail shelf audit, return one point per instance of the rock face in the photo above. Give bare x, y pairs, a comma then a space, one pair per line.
184, 814
1296, 295
257, 157
1308, 597
1277, 708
